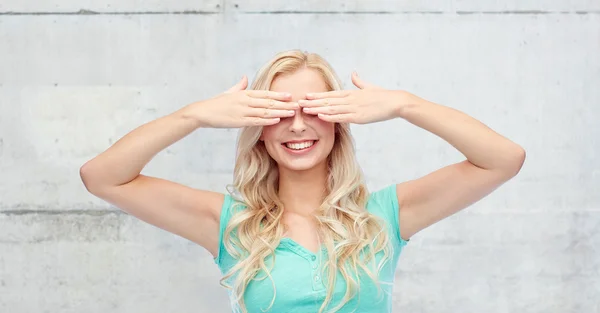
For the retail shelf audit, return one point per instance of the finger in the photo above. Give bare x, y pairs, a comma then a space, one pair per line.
336, 109
267, 94
270, 113
273, 104
322, 102
241, 85
337, 118
328, 94
257, 121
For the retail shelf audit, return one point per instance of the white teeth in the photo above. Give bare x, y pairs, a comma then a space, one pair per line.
299, 145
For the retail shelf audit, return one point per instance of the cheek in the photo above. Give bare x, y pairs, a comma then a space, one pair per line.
327, 129
327, 134
268, 133
270, 138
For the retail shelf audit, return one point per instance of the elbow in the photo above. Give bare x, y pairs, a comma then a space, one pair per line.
86, 176
89, 178
510, 163
517, 159
98, 180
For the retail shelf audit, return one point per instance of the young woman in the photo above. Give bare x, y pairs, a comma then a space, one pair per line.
299, 232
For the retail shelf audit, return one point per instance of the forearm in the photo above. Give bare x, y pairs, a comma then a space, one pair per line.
481, 145
125, 159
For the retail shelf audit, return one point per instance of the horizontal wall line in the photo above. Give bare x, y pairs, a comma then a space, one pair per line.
101, 212
61, 212
192, 12
528, 12
90, 12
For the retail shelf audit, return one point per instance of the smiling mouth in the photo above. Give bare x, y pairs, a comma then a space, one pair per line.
299, 145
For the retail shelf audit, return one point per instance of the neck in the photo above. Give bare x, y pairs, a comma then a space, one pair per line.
302, 192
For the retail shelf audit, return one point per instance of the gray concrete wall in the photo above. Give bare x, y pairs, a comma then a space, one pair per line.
76, 76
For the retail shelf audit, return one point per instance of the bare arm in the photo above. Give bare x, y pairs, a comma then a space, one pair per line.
491, 158
491, 161
114, 175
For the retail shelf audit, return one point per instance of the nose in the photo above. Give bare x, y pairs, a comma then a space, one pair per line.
298, 125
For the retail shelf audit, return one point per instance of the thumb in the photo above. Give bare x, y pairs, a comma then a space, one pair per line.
241, 85
358, 82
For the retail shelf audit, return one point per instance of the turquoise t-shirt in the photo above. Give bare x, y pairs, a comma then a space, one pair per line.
297, 275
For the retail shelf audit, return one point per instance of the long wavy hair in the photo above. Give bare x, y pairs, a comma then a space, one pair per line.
351, 235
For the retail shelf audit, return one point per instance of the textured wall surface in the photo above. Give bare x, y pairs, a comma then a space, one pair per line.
77, 75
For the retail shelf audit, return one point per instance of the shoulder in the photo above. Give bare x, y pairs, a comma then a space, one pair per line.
231, 205
383, 203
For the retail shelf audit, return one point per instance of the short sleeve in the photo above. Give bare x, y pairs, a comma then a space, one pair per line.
384, 203
223, 220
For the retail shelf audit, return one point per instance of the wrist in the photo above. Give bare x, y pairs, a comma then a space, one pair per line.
192, 114
405, 102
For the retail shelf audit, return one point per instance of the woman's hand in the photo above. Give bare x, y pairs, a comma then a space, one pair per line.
238, 107
368, 104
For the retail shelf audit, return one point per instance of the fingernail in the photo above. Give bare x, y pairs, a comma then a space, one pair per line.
301, 102
291, 112
287, 95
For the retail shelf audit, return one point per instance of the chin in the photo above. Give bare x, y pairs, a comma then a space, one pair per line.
299, 166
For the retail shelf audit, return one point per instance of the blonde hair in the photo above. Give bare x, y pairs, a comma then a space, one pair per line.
351, 235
